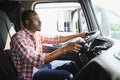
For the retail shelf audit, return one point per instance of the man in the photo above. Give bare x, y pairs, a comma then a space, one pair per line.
28, 58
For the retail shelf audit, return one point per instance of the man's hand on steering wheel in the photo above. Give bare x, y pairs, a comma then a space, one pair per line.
91, 36
84, 35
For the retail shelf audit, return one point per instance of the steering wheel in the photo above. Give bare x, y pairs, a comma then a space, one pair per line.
85, 52
91, 37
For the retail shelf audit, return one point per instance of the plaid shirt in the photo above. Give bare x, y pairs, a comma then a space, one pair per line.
27, 51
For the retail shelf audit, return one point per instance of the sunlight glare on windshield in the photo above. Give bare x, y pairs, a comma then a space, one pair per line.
113, 5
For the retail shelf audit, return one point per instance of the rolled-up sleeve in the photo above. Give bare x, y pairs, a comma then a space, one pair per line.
50, 39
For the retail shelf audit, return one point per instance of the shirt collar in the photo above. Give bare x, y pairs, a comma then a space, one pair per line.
28, 32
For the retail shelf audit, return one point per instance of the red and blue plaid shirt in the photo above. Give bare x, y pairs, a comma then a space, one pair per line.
27, 51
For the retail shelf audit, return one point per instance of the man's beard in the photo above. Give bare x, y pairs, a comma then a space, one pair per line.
38, 29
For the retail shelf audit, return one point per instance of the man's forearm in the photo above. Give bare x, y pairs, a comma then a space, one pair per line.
66, 38
53, 55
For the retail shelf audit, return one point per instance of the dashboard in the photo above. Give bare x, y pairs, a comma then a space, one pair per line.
100, 45
93, 49
105, 63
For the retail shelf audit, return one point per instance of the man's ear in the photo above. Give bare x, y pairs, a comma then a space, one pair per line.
27, 22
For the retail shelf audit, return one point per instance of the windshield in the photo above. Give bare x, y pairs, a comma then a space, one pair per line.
108, 16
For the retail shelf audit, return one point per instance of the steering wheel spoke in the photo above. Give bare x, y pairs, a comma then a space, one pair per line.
88, 41
91, 36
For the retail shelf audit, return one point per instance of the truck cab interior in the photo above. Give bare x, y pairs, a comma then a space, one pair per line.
99, 59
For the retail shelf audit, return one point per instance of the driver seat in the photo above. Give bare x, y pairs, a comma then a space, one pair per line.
6, 31
7, 69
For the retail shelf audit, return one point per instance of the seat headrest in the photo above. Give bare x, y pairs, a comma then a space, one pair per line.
5, 28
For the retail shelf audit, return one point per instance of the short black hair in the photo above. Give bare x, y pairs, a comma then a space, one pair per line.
26, 15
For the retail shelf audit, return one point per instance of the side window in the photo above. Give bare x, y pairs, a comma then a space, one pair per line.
108, 17
61, 18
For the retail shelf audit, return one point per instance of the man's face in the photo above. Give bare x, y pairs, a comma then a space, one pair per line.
34, 22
